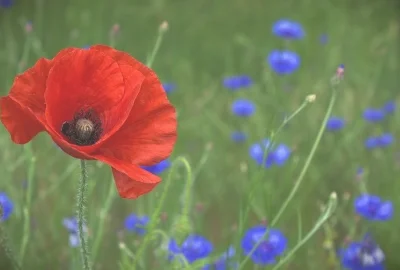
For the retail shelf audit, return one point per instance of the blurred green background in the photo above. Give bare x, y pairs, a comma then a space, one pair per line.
206, 41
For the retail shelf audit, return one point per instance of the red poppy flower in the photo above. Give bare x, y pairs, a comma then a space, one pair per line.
97, 104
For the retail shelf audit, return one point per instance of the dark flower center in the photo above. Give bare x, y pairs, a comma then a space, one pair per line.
84, 129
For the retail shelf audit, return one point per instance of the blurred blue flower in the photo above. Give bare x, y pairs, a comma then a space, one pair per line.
71, 224
224, 262
277, 155
194, 247
373, 207
381, 141
169, 87
238, 136
86, 47
389, 107
243, 107
362, 255
284, 62
236, 82
371, 142
288, 29
385, 139
281, 154
6, 3
159, 167
137, 224
7, 206
323, 39
335, 123
373, 115
272, 244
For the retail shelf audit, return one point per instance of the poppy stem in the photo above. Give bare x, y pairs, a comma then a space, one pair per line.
4, 243
161, 31
81, 204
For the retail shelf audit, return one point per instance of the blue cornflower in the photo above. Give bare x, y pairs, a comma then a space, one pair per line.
284, 62
272, 244
381, 141
136, 223
385, 139
288, 29
237, 82
7, 206
243, 107
323, 39
363, 255
194, 247
238, 136
373, 115
373, 207
371, 142
86, 47
224, 262
169, 87
6, 3
71, 224
159, 167
276, 155
281, 154
335, 123
389, 107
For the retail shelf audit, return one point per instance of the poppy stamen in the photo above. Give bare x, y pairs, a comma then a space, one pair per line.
84, 129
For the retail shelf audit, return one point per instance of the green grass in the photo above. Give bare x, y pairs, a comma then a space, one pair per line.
206, 41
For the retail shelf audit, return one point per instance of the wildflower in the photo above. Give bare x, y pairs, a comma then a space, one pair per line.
380, 141
335, 123
288, 29
283, 62
271, 244
86, 47
194, 247
159, 167
323, 39
224, 262
373, 207
276, 155
243, 107
169, 87
363, 255
373, 115
6, 206
237, 82
389, 107
6, 3
136, 223
385, 139
238, 136
71, 224
96, 103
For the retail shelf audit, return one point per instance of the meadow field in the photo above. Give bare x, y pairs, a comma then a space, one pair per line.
286, 158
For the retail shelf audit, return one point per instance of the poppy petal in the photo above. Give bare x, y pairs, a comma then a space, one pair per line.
21, 124
28, 88
149, 133
79, 80
131, 180
117, 82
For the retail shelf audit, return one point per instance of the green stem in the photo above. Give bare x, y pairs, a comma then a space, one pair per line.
302, 173
26, 212
103, 213
4, 243
309, 158
157, 45
81, 204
